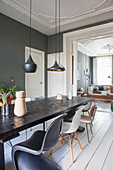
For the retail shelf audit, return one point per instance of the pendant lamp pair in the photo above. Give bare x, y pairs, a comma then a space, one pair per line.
30, 66
57, 66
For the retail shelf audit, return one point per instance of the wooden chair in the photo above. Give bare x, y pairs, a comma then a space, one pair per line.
87, 107
71, 127
89, 119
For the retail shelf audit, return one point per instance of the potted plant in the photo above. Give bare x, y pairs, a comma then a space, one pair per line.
8, 90
13, 89
4, 96
2, 88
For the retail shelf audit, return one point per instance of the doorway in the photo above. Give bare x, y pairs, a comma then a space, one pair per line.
34, 82
71, 39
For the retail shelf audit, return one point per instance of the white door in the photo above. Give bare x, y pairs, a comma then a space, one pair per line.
34, 82
55, 79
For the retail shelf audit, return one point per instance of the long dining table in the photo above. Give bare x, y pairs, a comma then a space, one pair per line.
38, 111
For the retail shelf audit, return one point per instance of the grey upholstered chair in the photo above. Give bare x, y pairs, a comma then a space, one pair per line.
28, 154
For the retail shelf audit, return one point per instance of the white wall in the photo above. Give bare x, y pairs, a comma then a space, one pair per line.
55, 79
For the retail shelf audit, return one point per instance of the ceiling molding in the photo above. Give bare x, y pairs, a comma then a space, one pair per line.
19, 7
49, 21
92, 40
104, 7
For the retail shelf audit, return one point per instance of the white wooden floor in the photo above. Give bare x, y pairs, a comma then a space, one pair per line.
98, 155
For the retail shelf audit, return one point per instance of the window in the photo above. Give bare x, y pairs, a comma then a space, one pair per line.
104, 69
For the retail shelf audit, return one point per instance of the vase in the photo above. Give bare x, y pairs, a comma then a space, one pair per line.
4, 108
20, 104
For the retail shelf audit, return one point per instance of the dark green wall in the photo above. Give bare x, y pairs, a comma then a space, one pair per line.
14, 36
53, 43
84, 61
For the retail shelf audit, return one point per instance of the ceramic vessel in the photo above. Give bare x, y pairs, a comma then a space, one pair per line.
59, 96
20, 108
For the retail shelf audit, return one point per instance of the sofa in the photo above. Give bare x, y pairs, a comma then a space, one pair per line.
107, 97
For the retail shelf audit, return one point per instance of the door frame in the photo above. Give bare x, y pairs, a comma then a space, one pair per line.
71, 39
43, 67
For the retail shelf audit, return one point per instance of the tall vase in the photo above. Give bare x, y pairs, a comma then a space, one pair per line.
20, 108
3, 107
3, 110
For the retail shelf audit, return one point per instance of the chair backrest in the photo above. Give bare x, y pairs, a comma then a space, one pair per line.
75, 121
87, 106
52, 134
93, 111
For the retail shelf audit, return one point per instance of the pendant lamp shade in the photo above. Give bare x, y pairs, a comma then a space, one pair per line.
56, 67
61, 66
30, 66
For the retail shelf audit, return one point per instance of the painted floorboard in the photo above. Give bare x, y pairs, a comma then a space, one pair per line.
108, 164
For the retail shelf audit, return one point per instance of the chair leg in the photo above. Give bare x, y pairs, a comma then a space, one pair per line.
91, 128
87, 132
78, 140
71, 148
51, 151
62, 138
26, 134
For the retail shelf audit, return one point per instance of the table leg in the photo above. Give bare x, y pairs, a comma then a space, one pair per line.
2, 161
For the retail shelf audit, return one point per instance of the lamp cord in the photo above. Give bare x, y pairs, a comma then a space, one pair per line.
59, 31
56, 29
30, 26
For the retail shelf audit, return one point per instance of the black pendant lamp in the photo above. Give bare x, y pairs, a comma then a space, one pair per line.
30, 66
56, 66
60, 65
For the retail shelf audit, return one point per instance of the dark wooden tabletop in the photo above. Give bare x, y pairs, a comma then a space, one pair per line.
38, 111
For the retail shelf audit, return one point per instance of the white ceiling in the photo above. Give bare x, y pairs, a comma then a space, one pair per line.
74, 13
96, 46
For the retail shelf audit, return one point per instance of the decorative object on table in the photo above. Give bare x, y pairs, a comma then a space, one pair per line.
4, 107
70, 94
30, 66
20, 108
59, 96
57, 66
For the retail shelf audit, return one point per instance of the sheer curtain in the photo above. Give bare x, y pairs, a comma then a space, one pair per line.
104, 70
